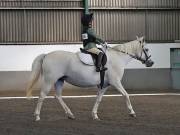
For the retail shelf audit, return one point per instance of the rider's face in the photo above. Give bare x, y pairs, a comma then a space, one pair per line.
91, 23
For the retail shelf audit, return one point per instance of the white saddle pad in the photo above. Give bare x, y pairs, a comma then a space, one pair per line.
86, 58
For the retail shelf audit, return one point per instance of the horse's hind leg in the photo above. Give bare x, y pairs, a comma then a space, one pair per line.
45, 88
98, 101
121, 89
58, 87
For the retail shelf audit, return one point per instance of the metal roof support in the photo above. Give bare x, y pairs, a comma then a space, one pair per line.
86, 7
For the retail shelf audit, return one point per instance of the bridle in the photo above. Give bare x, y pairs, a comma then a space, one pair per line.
145, 50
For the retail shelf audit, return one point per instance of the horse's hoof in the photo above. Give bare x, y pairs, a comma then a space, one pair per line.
97, 119
71, 116
132, 115
37, 118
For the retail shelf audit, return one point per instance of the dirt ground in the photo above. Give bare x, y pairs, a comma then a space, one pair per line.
156, 115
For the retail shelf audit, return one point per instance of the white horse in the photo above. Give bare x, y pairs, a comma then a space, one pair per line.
59, 66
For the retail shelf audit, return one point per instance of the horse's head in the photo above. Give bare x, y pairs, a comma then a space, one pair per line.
144, 55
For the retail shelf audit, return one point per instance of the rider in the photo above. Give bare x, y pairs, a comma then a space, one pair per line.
90, 39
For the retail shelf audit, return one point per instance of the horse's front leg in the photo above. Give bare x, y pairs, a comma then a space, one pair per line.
100, 94
121, 89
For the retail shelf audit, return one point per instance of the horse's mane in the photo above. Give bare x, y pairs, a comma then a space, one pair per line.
129, 47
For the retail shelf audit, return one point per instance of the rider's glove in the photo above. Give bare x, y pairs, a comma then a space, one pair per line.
105, 45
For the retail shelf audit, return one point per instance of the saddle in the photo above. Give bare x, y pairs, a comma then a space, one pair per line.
91, 60
86, 57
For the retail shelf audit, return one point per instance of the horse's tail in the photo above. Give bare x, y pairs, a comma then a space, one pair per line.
35, 73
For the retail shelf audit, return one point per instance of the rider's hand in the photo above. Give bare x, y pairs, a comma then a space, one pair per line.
105, 45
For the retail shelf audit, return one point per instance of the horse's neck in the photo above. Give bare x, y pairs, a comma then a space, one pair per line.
125, 58
119, 58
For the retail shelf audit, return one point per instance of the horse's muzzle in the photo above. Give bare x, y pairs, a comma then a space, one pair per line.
149, 63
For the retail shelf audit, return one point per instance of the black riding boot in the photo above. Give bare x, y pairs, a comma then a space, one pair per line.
99, 60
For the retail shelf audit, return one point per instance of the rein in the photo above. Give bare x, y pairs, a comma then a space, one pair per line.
133, 56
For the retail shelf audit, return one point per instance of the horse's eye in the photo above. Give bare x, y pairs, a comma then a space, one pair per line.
146, 49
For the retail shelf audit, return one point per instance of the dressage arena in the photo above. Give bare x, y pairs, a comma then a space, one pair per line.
141, 39
156, 115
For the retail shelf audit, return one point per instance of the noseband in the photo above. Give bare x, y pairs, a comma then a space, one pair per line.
146, 56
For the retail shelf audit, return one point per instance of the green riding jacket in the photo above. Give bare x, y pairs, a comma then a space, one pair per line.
90, 39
